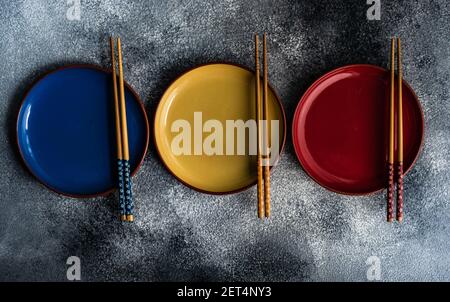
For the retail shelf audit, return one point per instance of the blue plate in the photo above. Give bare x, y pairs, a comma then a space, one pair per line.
66, 134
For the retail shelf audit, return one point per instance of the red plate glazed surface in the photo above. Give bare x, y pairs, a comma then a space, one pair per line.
340, 129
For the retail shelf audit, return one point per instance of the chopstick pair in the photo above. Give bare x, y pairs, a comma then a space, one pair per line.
391, 159
263, 163
123, 157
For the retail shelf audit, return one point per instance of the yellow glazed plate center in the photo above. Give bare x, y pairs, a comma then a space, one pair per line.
218, 92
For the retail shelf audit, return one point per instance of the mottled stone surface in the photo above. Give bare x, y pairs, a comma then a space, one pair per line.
181, 234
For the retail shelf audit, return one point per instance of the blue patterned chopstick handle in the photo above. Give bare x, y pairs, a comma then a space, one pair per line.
128, 193
120, 170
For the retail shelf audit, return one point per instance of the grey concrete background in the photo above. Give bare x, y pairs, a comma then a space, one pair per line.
182, 235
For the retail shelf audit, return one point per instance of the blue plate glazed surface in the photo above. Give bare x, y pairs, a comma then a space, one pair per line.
66, 134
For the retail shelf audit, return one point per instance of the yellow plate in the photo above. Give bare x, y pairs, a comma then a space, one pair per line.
219, 92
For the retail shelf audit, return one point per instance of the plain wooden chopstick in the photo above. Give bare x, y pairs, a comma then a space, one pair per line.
399, 134
262, 111
125, 150
390, 193
258, 121
266, 132
118, 135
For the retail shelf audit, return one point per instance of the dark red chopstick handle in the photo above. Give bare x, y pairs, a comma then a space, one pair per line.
400, 192
390, 193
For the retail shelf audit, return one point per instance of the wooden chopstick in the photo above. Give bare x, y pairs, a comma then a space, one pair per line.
266, 132
118, 135
262, 130
258, 121
399, 135
391, 160
390, 193
126, 155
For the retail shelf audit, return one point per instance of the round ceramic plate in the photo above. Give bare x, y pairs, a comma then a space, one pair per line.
340, 129
65, 131
219, 92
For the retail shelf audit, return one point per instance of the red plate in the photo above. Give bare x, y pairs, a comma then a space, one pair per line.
340, 129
